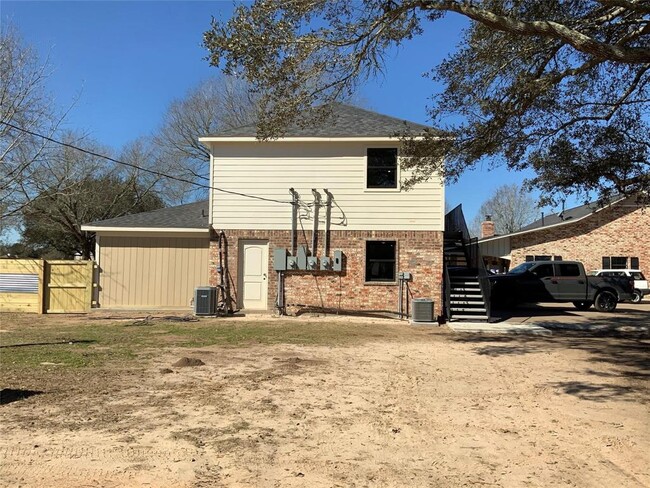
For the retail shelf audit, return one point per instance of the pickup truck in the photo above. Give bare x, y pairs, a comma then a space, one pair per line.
559, 281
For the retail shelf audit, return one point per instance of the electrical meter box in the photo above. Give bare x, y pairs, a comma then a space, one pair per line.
279, 259
302, 258
312, 263
325, 263
292, 263
337, 265
405, 275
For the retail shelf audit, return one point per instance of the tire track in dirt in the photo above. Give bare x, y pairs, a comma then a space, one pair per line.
91, 466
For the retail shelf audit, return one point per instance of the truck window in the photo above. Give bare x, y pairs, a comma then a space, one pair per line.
543, 270
637, 275
569, 269
522, 268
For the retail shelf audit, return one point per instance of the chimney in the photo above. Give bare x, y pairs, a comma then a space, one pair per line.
487, 227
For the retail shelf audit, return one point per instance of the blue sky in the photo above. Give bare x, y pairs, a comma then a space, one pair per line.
121, 63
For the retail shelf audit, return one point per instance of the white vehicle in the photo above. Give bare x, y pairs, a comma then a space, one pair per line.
640, 283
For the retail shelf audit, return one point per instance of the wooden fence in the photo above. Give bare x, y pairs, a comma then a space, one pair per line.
44, 286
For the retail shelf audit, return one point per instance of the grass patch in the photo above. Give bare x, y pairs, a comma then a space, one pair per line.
83, 343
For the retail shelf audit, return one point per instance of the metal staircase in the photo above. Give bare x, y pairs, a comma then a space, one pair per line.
467, 288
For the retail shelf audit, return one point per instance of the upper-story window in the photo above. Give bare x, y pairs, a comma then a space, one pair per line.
382, 168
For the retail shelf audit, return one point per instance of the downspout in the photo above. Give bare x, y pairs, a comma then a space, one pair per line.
223, 261
314, 234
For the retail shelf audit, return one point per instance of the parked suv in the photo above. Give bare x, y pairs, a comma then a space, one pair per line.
640, 283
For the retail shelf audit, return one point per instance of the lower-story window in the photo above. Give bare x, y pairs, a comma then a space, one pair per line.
381, 260
543, 257
620, 262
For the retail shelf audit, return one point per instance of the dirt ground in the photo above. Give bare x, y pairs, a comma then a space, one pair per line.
403, 406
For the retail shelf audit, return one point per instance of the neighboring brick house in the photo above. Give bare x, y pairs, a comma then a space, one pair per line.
615, 235
346, 171
381, 229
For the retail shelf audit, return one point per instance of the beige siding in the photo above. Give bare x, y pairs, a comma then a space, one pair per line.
269, 169
499, 248
144, 272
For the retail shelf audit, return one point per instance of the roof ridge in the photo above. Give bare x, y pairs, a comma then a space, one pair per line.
374, 112
344, 120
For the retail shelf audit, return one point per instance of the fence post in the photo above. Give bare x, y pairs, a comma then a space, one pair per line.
42, 287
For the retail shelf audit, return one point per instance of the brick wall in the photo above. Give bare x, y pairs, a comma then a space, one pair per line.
618, 230
418, 252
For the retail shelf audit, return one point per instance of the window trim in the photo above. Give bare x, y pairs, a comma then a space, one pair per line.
365, 262
398, 187
608, 262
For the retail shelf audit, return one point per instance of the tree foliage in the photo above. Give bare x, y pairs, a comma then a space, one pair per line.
535, 82
77, 188
511, 207
24, 103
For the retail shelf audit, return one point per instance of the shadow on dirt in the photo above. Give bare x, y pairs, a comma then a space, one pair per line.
9, 395
620, 343
595, 392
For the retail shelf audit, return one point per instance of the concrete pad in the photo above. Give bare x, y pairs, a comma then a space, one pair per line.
498, 328
425, 324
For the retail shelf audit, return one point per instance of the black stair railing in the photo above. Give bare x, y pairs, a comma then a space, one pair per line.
447, 293
456, 226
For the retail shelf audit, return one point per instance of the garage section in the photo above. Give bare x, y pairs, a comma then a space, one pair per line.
152, 259
146, 272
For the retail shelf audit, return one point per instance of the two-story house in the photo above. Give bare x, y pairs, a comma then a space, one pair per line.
332, 191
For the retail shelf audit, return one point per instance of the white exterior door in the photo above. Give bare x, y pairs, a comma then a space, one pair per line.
253, 269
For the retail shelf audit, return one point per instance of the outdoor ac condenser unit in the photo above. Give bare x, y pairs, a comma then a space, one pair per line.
422, 309
205, 300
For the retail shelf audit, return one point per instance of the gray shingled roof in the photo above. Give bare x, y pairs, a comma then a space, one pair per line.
188, 216
567, 215
345, 121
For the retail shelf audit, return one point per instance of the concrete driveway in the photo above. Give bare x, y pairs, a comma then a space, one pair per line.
627, 319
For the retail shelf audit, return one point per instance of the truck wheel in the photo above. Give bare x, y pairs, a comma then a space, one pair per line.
585, 305
636, 296
606, 301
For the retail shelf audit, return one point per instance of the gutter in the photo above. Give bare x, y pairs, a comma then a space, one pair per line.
98, 228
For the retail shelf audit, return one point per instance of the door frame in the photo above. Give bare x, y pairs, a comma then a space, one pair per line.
240, 270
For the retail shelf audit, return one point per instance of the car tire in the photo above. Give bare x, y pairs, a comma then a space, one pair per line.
584, 305
637, 296
606, 301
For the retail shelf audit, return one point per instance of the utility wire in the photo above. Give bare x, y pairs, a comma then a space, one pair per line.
145, 170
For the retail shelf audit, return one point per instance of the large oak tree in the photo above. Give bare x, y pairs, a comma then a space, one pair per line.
557, 86
75, 188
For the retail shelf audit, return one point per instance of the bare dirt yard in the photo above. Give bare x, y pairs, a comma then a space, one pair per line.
103, 401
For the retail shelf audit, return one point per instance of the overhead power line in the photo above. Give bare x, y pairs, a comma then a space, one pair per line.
145, 170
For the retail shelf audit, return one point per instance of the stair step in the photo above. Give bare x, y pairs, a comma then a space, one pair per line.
473, 289
469, 281
467, 296
465, 310
469, 317
472, 303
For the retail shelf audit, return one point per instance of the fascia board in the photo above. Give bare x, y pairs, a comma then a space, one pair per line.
96, 228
